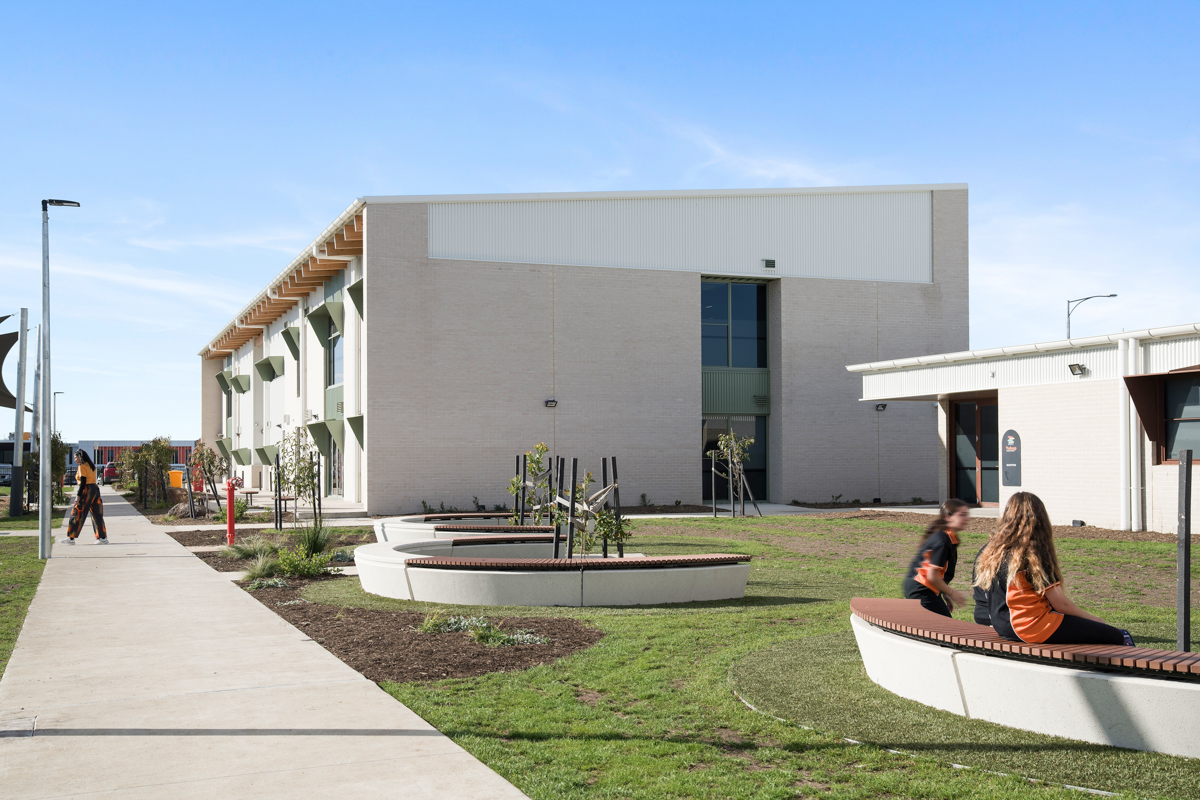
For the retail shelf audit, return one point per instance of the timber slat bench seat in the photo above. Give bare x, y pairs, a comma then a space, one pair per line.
546, 538
448, 515
907, 617
1134, 697
494, 528
574, 564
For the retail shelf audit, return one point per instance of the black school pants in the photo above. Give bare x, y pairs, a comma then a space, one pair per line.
1077, 630
931, 600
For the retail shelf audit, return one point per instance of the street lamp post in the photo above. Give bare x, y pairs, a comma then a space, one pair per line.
1074, 304
45, 490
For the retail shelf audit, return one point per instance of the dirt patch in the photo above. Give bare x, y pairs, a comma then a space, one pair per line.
384, 645
210, 538
988, 525
680, 509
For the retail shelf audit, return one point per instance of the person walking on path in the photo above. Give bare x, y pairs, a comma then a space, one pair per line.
87, 499
1019, 569
932, 569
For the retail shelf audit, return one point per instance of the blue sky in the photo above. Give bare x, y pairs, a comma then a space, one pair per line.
208, 145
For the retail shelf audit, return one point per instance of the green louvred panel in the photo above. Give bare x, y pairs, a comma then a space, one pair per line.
291, 335
223, 378
269, 368
266, 455
736, 391
333, 403
240, 383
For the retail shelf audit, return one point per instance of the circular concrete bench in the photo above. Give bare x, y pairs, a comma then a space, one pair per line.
1131, 697
419, 527
518, 569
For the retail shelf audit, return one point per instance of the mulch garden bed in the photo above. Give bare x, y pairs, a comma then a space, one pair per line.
210, 538
385, 646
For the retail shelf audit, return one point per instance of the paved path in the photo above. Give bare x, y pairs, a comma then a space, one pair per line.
145, 674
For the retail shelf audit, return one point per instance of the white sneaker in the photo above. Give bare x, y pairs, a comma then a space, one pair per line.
102, 541
67, 540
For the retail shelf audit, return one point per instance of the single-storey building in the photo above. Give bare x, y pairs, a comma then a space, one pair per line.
423, 341
1093, 426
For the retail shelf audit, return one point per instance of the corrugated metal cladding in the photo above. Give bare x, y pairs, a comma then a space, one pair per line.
999, 373
736, 391
1164, 355
876, 236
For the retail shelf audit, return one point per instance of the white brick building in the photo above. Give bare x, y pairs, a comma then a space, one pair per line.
419, 339
1098, 421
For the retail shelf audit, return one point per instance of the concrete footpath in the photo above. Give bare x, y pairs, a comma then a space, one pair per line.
142, 673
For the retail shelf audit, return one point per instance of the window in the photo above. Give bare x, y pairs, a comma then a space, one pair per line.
712, 426
333, 361
733, 324
1181, 416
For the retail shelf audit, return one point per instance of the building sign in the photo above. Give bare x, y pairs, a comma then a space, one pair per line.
1010, 458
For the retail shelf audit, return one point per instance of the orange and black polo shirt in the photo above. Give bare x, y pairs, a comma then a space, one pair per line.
1019, 613
938, 555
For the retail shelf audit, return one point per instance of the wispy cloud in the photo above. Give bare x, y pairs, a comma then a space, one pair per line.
753, 168
288, 241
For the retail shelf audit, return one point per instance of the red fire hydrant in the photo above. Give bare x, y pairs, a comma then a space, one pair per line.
229, 533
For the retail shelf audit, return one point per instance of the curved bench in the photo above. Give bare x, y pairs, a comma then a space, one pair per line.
516, 570
1133, 697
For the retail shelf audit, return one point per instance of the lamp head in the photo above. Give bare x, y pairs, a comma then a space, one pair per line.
67, 203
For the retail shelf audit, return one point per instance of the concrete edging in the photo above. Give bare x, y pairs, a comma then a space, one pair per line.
1140, 713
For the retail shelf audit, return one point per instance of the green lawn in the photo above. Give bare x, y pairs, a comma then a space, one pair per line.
650, 711
20, 571
29, 522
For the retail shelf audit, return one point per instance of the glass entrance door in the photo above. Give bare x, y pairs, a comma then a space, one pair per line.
976, 445
747, 427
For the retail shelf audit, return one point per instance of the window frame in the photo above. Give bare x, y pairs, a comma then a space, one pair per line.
1161, 453
728, 324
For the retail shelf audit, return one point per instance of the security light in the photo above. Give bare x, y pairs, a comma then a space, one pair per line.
1077, 369
551, 403
880, 406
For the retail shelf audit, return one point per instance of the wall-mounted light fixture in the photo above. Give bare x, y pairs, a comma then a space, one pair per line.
1077, 369
551, 403
880, 406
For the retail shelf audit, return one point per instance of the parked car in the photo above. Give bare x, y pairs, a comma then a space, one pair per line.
110, 473
5, 475
69, 476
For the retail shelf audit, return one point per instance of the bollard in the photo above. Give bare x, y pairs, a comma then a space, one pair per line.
229, 532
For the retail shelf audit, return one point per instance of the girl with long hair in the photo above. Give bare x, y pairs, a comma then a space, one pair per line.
932, 569
1019, 571
87, 499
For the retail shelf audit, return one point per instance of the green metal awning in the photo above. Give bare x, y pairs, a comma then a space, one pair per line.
223, 379
242, 456
327, 319
269, 368
266, 455
356, 426
326, 431
240, 383
355, 290
225, 446
291, 335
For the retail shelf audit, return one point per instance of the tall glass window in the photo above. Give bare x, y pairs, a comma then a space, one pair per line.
1182, 416
733, 324
333, 361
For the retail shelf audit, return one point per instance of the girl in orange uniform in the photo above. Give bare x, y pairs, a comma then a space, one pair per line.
1019, 571
932, 569
87, 498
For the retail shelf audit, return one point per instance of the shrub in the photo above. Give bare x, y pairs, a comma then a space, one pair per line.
252, 547
480, 630
263, 566
239, 512
343, 557
294, 563
646, 501
314, 540
272, 583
